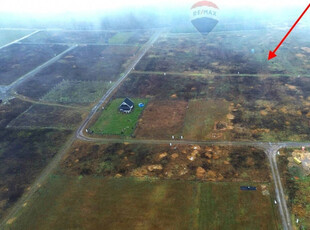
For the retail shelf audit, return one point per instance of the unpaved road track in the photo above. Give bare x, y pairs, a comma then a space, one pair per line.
20, 39
27, 99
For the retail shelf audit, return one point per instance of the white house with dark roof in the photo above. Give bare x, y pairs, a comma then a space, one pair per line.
126, 106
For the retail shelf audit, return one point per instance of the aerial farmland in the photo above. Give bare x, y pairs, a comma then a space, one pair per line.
154, 129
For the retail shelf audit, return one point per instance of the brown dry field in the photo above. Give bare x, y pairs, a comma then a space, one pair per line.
162, 119
187, 162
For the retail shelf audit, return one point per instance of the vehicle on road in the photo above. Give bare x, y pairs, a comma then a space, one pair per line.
248, 188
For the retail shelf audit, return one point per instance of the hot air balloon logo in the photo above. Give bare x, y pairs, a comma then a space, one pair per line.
204, 16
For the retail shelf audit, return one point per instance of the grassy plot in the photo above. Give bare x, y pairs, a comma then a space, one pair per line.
225, 206
90, 37
73, 37
113, 122
7, 36
121, 50
127, 203
120, 38
23, 155
202, 118
44, 116
134, 38
80, 92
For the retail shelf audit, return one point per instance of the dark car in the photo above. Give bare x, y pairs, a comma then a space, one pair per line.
247, 188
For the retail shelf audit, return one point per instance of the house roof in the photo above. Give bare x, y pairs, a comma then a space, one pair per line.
124, 107
129, 102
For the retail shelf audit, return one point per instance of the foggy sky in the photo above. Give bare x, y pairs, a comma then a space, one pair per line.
92, 14
60, 6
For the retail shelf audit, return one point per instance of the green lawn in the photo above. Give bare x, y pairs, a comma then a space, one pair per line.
113, 122
78, 202
120, 38
225, 206
7, 36
201, 116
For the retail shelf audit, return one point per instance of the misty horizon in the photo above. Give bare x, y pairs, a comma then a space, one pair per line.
150, 17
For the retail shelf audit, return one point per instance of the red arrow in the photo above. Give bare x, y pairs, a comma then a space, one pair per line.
272, 54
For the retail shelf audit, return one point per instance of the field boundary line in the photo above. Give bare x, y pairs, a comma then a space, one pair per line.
82, 44
21, 114
22, 127
18, 40
47, 103
206, 75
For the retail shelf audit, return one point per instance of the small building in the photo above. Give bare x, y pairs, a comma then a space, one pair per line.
126, 106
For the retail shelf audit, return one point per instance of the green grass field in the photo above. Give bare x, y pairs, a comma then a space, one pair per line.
7, 36
201, 116
77, 92
128, 203
113, 122
225, 206
120, 38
